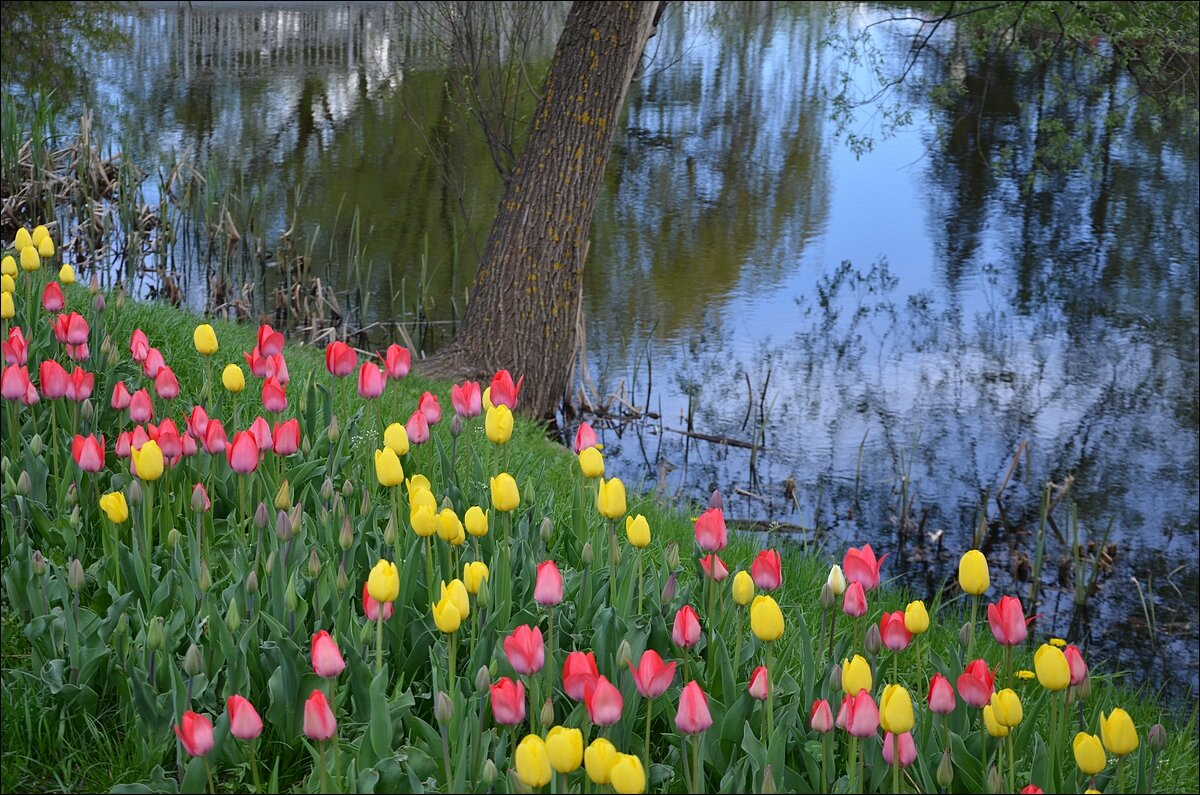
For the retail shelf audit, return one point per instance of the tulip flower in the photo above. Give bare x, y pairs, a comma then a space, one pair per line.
941, 695
319, 721
15, 349
1006, 706
973, 576
114, 506
15, 383
861, 566
627, 775
893, 631
474, 575
820, 718
244, 721
604, 702
397, 361
994, 727
743, 588
327, 661
591, 463
652, 676
565, 748
88, 452
52, 298
374, 610
274, 398
261, 365
1076, 664
30, 261
71, 329
766, 619
195, 732
1118, 732
508, 702
532, 762
286, 437
975, 684
693, 716
714, 568
417, 428
859, 715
54, 380
599, 759
261, 432
428, 405
270, 341
371, 381
580, 673
505, 496
148, 461
610, 499
8, 309
395, 438
767, 570
908, 749
139, 345
1008, 622
215, 440
1032, 789
80, 385
585, 437
153, 363
466, 399
233, 379
711, 533
66, 274
446, 615
242, 453
340, 359
1089, 754
423, 520
549, 587
1053, 670
856, 675
204, 338
686, 630
383, 584
388, 471
456, 591
8, 265
916, 618
476, 521
760, 683
895, 710
525, 650
854, 600
503, 392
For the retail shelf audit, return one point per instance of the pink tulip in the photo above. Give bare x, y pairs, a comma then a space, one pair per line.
286, 437
760, 683
860, 565
195, 732
53, 379
261, 432
714, 568
417, 428
711, 534
123, 444
319, 722
652, 677
1032, 789
428, 405
585, 437
88, 452
525, 649
259, 364
976, 684
579, 673
1008, 622
859, 715
340, 359
941, 695
892, 630
15, 349
279, 368
821, 716
504, 391
80, 387
274, 398
1076, 664
52, 298
71, 329
141, 409
153, 363
693, 716
190, 445
397, 361
166, 384
139, 346
167, 436
197, 422
371, 609
549, 587
467, 399
854, 601
78, 353
244, 722
908, 749
242, 453
270, 341
14, 381
371, 381
604, 702
686, 631
767, 570
508, 702
327, 661
215, 440
120, 396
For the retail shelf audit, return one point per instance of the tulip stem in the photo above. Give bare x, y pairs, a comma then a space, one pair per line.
379, 638
453, 643
852, 762
825, 761
253, 766
429, 568
971, 633
322, 769
697, 768
1012, 764
639, 584
649, 712
896, 763
612, 564
832, 630
770, 694
208, 771
549, 666
446, 749
1121, 773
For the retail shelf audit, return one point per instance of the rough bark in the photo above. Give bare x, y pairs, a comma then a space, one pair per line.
526, 295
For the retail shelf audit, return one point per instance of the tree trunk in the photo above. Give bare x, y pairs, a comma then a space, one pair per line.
523, 306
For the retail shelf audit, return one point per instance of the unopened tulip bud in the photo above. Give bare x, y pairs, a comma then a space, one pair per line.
547, 714
252, 582
155, 637
873, 641
768, 784
283, 497
233, 618
134, 493
347, 489
289, 595
1085, 688
270, 564
283, 526
306, 446
173, 538
36, 445
671, 556
94, 285
945, 771
122, 630
624, 655
1070, 696
39, 563
489, 773
75, 575
995, 782
715, 501
615, 557
25, 485
343, 581
546, 531
121, 300
587, 550
98, 303
1156, 738
668, 591
72, 496
835, 679
192, 662
200, 500
327, 489
483, 680
964, 634
456, 426
314, 564
334, 432
366, 633
443, 710
346, 536
389, 531
484, 597
828, 600
86, 412
205, 579
74, 518
323, 514
364, 507
262, 517
527, 492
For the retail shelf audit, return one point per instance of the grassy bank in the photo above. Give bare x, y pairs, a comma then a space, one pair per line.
49, 748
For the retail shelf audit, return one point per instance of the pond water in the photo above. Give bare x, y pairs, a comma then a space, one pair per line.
889, 331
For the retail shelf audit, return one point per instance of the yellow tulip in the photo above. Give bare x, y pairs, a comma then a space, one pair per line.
7, 308
637, 530
474, 573
973, 575
565, 748
836, 580
45, 249
114, 506
387, 468
627, 775
66, 274
599, 759
148, 460
1118, 732
8, 266
1006, 707
1089, 753
896, 710
533, 762
7, 284
205, 339
766, 619
505, 496
383, 584
22, 241
856, 675
1059, 642
476, 521
487, 399
395, 438
743, 588
40, 233
994, 727
446, 615
233, 378
423, 521
610, 500
417, 482
591, 462
1051, 666
422, 498
457, 592
448, 525
459, 538
916, 618
499, 424
30, 261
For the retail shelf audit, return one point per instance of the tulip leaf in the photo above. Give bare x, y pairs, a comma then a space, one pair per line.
194, 778
1041, 761
968, 766
380, 721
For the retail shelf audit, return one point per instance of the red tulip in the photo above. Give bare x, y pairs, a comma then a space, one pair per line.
167, 436
261, 432
244, 722
760, 683
549, 587
860, 565
821, 716
123, 444
327, 661
141, 409
1008, 622
579, 672
467, 399
397, 361
15, 348
417, 428
31, 396
242, 453
215, 439
892, 630
53, 379
52, 298
340, 359
14, 381
88, 452
604, 702
585, 437
941, 695
319, 722
371, 607
120, 396
153, 363
279, 368
693, 716
1032, 789
428, 405
508, 702
166, 384
767, 570
908, 749
686, 631
139, 346
976, 684
525, 649
80, 387
195, 732
711, 534
286, 437
270, 341
71, 329
854, 601
1076, 664
371, 381
504, 392
260, 365
78, 353
200, 501
197, 422
652, 677
859, 715
190, 446
714, 568
274, 398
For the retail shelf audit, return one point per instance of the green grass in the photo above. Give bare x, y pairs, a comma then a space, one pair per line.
45, 749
